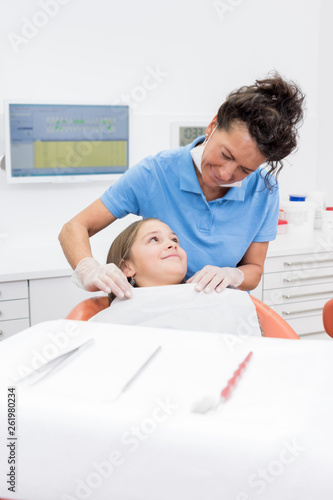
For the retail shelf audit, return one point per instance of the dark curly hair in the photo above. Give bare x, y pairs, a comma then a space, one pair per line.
272, 110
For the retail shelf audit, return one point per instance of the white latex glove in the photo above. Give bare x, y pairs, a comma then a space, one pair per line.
92, 276
218, 278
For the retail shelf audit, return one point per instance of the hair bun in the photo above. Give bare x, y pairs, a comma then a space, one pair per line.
272, 110
283, 95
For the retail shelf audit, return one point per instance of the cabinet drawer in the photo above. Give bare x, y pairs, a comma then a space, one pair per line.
298, 277
13, 290
8, 328
300, 310
298, 294
302, 261
14, 309
311, 324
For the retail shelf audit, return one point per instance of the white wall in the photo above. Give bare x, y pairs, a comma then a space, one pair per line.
325, 103
100, 51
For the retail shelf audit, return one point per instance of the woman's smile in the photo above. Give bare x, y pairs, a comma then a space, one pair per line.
215, 178
233, 154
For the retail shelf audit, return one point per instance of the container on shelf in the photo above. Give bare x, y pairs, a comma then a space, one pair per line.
297, 197
318, 198
300, 216
282, 226
328, 219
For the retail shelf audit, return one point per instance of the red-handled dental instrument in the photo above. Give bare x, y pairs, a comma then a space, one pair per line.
209, 403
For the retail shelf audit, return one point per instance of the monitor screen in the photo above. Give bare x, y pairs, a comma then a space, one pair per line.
65, 142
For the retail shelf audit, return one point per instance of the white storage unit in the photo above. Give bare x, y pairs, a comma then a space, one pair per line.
35, 284
28, 302
54, 298
297, 284
14, 307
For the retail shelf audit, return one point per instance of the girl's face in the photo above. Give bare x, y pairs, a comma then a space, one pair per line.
156, 257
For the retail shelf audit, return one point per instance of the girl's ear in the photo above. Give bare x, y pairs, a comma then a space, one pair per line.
128, 269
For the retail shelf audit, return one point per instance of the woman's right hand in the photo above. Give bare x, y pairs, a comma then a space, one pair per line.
92, 276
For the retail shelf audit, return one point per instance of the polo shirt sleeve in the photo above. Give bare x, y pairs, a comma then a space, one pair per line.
131, 193
268, 229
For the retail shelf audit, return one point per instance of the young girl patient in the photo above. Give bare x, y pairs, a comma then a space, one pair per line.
149, 255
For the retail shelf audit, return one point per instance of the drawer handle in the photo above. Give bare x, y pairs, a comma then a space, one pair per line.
306, 294
315, 333
303, 262
301, 311
289, 280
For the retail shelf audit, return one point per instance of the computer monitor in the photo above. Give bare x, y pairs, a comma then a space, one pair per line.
65, 142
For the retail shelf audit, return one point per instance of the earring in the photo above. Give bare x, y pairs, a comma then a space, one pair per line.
132, 281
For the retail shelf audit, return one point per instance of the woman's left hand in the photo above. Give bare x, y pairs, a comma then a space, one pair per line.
216, 278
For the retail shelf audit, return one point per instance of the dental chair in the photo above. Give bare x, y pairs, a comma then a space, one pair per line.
328, 317
88, 308
272, 324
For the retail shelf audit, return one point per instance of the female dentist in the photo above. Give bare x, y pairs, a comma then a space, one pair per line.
212, 193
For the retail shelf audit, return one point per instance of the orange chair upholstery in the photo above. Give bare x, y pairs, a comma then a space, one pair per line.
88, 308
272, 324
328, 317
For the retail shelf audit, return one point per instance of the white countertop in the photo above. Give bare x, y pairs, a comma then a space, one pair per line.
39, 255
293, 243
35, 255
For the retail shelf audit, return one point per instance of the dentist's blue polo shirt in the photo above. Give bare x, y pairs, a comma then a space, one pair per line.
217, 232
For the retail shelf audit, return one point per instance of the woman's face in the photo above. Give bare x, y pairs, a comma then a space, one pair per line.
156, 257
229, 156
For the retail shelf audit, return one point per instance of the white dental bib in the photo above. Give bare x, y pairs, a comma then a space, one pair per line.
181, 307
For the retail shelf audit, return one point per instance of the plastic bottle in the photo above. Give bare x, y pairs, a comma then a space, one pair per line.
318, 198
328, 220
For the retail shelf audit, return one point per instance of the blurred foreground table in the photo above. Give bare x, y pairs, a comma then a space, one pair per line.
74, 437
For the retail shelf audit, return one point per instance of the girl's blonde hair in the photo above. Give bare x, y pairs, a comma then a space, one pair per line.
120, 250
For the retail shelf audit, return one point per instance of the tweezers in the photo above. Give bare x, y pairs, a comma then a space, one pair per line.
35, 376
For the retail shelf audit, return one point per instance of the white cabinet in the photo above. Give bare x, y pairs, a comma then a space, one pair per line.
28, 302
14, 307
297, 287
36, 276
12, 326
54, 298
